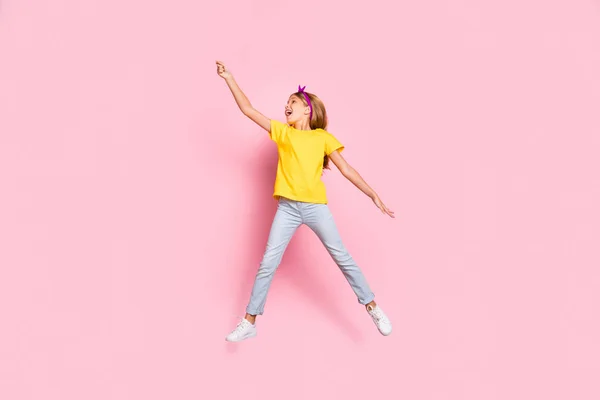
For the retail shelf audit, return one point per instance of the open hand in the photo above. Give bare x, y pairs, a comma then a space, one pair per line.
222, 71
382, 207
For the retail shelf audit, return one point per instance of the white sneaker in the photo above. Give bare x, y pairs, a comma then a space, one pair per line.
243, 330
381, 320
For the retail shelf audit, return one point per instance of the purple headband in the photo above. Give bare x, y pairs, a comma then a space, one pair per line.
301, 90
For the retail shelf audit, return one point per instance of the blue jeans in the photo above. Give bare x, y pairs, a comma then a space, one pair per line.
289, 216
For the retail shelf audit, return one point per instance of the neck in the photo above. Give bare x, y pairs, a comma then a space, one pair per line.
303, 125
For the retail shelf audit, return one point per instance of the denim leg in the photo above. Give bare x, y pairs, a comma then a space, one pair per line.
319, 219
285, 223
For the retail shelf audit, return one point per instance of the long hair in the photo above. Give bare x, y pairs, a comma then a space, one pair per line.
319, 116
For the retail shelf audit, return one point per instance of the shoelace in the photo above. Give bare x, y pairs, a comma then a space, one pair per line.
377, 314
241, 325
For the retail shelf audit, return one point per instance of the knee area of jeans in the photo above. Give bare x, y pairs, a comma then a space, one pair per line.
344, 261
272, 251
270, 261
338, 250
266, 269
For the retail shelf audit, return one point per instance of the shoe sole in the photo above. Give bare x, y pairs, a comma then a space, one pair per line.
250, 336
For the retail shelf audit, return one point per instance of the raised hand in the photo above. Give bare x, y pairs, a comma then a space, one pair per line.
222, 71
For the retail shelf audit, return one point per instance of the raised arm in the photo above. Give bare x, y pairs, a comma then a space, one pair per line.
353, 176
241, 99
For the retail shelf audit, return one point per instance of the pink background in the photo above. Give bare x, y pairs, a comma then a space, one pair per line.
136, 200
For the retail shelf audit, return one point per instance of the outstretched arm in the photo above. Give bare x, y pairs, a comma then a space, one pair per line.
353, 176
241, 99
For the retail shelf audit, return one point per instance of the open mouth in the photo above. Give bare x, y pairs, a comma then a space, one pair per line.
288, 113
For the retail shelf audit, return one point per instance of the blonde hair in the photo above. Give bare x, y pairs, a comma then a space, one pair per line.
319, 116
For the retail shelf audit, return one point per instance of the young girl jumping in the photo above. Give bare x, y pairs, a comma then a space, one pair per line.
304, 148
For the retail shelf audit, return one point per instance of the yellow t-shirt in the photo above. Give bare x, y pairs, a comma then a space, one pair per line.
300, 163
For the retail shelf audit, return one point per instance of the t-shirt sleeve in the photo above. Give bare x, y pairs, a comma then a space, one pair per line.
332, 144
277, 130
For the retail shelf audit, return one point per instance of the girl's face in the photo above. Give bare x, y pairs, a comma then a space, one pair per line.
295, 110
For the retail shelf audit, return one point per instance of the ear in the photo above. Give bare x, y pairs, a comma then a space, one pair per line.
307, 110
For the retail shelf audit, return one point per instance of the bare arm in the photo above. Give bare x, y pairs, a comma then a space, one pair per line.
241, 99
353, 176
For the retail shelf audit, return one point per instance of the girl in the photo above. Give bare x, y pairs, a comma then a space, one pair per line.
304, 148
